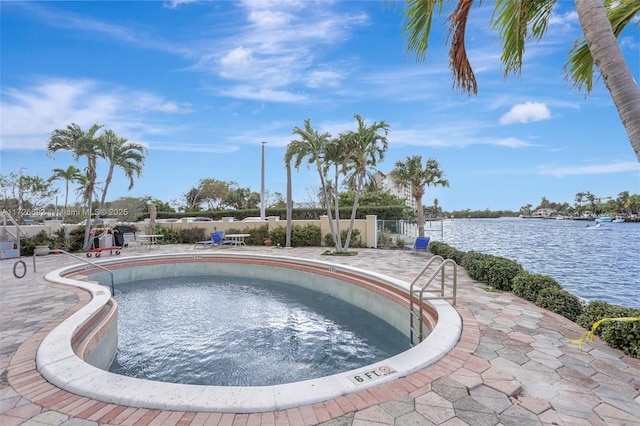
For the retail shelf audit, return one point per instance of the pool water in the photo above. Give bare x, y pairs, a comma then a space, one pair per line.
230, 331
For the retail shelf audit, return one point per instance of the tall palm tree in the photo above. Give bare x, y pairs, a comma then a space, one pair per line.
81, 144
365, 147
70, 174
410, 173
334, 153
311, 146
120, 153
520, 21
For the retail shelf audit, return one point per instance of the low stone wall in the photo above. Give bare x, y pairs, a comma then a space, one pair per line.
367, 227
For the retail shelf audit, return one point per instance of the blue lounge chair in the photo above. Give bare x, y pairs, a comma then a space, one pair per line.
207, 243
421, 244
218, 239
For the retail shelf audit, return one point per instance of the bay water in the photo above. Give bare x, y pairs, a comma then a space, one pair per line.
593, 264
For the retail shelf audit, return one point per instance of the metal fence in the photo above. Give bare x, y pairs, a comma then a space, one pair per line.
408, 229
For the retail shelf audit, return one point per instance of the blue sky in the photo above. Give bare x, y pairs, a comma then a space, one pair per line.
202, 84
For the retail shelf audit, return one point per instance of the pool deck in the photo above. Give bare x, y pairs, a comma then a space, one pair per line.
514, 364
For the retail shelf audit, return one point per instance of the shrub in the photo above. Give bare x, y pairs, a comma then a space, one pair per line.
446, 251
258, 235
355, 240
183, 236
385, 240
528, 285
400, 242
495, 271
301, 236
561, 302
28, 244
620, 335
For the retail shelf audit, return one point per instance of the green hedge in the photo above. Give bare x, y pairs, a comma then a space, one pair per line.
561, 302
182, 236
301, 236
383, 213
620, 335
441, 249
492, 270
528, 285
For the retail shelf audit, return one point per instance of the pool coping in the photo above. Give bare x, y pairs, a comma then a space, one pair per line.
59, 364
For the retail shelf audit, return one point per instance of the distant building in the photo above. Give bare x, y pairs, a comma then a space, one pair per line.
385, 182
543, 213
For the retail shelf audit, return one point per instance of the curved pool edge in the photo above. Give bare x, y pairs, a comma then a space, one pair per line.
58, 363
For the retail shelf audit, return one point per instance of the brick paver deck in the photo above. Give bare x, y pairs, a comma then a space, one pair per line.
514, 364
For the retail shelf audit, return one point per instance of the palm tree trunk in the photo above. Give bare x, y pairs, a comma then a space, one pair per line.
336, 196
91, 175
607, 56
420, 216
103, 198
289, 206
66, 199
336, 241
354, 209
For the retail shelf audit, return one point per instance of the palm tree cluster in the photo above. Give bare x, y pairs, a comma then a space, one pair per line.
118, 152
354, 156
351, 155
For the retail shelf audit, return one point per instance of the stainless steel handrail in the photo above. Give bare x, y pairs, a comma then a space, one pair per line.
16, 237
440, 270
84, 260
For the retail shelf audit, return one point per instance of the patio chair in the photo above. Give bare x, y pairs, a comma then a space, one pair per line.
421, 244
129, 240
208, 243
218, 238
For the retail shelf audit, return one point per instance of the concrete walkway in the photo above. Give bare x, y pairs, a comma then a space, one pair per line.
514, 364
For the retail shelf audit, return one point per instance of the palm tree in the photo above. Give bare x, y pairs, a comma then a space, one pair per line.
81, 144
121, 153
365, 147
410, 173
334, 153
71, 174
312, 146
519, 21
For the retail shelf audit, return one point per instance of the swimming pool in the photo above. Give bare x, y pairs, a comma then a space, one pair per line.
234, 331
68, 356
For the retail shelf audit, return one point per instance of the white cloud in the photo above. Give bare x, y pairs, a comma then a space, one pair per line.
280, 45
593, 169
564, 19
526, 112
29, 114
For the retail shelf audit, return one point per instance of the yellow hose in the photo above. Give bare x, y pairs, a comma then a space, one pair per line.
588, 335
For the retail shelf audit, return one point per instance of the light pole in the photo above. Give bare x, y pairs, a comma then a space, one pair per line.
262, 200
20, 190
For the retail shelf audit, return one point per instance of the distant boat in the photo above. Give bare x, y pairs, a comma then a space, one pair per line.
618, 219
604, 219
598, 227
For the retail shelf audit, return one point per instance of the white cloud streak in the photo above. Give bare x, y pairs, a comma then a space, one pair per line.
593, 169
